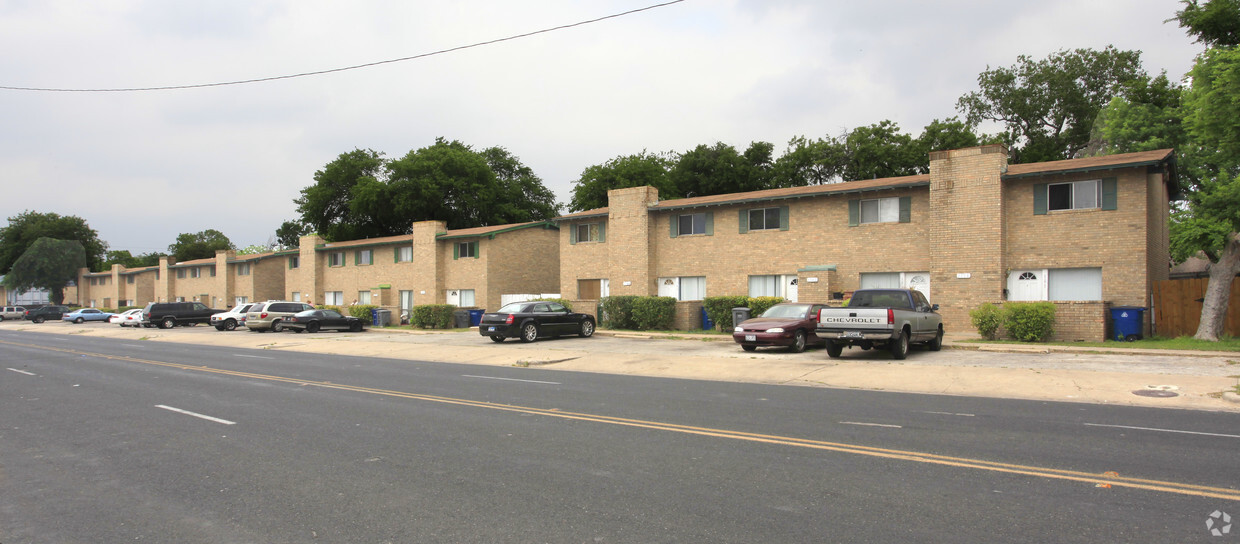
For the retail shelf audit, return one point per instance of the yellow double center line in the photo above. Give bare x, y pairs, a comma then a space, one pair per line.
904, 455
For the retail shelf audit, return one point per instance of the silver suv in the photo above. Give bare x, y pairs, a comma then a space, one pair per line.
12, 312
271, 314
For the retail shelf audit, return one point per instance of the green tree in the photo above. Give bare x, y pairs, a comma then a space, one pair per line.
642, 169
1146, 117
1210, 220
200, 245
718, 169
880, 151
325, 207
523, 197
49, 264
945, 134
289, 234
1215, 23
809, 162
128, 260
1048, 107
28, 226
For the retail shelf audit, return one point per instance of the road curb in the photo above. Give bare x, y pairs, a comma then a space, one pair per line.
1231, 397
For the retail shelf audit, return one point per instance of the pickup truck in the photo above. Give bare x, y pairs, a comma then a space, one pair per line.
892, 318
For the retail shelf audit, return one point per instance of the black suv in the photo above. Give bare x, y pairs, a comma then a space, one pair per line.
167, 315
39, 315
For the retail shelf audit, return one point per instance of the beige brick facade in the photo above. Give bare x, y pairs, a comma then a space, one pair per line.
966, 226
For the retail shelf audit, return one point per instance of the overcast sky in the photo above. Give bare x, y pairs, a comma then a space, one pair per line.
143, 167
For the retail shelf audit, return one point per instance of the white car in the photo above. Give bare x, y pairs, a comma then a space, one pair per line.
230, 320
12, 312
128, 318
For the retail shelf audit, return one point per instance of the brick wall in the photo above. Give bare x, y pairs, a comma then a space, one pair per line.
522, 261
629, 241
1075, 321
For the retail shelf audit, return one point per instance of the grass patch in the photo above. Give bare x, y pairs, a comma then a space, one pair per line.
1184, 343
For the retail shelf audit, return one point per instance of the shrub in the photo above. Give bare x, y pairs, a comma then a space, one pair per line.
757, 305
363, 312
719, 309
987, 319
432, 316
617, 312
1029, 321
654, 313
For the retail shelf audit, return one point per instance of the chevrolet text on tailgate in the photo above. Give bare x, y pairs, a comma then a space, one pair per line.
891, 318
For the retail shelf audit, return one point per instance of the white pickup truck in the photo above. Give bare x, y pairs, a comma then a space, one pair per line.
893, 318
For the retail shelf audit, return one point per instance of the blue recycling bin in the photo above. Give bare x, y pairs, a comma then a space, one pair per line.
1126, 322
475, 317
374, 317
707, 324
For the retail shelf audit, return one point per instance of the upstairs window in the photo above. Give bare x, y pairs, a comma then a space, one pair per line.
243, 269
294, 262
764, 219
692, 223
404, 254
335, 258
463, 250
880, 210
588, 232
1077, 195
364, 257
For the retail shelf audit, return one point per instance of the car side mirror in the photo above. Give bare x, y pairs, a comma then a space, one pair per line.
934, 307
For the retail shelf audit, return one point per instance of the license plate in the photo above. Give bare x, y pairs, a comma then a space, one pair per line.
751, 338
490, 329
852, 334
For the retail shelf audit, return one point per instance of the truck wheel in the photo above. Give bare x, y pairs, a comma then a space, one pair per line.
899, 346
748, 347
497, 339
834, 350
167, 323
798, 342
230, 325
276, 326
937, 343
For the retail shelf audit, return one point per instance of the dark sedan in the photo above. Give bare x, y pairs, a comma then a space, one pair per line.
789, 324
531, 320
322, 320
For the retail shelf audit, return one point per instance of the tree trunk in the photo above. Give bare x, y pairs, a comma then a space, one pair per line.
1218, 291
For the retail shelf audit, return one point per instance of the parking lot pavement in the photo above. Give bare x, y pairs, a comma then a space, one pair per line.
1077, 375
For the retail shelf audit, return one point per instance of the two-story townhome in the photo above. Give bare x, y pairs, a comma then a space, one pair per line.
1083, 233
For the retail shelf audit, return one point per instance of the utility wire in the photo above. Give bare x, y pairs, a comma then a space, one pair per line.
346, 68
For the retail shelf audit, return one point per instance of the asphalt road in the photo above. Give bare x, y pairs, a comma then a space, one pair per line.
109, 440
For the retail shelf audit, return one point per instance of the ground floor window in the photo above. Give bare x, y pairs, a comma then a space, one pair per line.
363, 297
296, 296
241, 300
919, 281
333, 298
406, 300
1063, 284
775, 285
592, 289
683, 287
461, 298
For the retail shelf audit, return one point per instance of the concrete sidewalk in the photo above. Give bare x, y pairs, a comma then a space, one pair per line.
1190, 380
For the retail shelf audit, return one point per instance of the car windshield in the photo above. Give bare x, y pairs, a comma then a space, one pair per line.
513, 308
787, 310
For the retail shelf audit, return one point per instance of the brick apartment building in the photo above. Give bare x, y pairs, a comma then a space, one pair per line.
1083, 233
433, 265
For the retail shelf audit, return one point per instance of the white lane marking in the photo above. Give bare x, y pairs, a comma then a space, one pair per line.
870, 424
132, 345
948, 414
22, 372
189, 413
253, 356
508, 379
1161, 430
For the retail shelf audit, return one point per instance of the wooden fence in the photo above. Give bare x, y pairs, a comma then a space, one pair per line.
1177, 307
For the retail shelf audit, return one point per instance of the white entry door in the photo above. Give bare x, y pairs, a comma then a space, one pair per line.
1025, 285
790, 288
919, 281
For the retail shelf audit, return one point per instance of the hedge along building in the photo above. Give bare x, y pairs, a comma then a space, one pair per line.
1083, 233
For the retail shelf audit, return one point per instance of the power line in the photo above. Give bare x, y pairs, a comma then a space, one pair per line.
346, 68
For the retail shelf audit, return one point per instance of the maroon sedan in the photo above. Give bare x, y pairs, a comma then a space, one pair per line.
790, 324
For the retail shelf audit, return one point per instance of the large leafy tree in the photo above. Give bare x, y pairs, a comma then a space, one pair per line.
1199, 120
49, 264
26, 227
361, 195
1047, 107
1211, 219
720, 168
326, 207
288, 235
199, 245
880, 151
128, 260
641, 169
